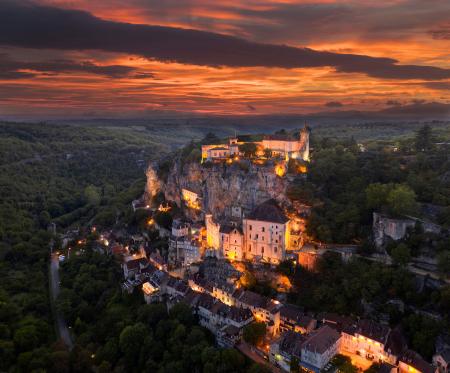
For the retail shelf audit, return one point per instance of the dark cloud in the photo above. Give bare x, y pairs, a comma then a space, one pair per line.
393, 103
10, 69
441, 33
143, 76
444, 86
32, 26
334, 104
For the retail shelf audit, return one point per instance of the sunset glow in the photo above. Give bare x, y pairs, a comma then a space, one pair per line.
45, 75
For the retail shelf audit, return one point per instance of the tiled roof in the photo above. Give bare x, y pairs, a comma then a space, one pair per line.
268, 211
373, 330
321, 340
396, 342
291, 343
337, 322
413, 359
252, 299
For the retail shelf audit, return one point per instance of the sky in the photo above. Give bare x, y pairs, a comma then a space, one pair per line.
119, 58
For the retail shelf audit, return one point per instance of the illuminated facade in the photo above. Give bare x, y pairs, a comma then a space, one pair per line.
266, 233
279, 145
192, 199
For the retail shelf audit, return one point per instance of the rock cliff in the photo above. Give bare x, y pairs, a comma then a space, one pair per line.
222, 186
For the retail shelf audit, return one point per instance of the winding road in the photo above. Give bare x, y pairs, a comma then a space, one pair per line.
63, 330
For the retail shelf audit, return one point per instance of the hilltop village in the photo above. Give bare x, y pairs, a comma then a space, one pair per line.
232, 213
218, 218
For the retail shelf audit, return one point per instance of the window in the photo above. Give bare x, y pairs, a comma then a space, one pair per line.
250, 247
263, 229
275, 249
262, 238
250, 227
262, 250
256, 236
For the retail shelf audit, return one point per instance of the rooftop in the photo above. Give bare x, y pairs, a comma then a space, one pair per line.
321, 340
416, 361
268, 211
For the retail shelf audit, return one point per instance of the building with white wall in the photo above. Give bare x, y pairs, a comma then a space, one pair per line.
266, 233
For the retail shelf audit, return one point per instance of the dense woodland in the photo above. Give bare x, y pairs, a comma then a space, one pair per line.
66, 175
80, 175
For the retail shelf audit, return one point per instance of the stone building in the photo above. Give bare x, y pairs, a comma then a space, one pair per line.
266, 233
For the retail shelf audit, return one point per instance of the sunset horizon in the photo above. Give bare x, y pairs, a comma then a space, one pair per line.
136, 58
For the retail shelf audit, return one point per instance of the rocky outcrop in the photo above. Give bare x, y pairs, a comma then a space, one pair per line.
222, 186
153, 185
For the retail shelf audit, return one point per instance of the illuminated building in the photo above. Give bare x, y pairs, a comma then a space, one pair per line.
266, 233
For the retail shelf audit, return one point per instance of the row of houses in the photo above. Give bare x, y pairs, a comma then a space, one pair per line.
225, 309
366, 339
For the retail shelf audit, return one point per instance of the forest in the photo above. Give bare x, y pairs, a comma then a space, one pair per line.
66, 175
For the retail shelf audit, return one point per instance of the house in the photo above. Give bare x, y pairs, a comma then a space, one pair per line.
266, 233
150, 290
319, 348
293, 318
214, 315
231, 242
335, 321
286, 347
133, 266
411, 361
263, 309
221, 151
176, 287
191, 198
229, 336
373, 341
158, 261
192, 252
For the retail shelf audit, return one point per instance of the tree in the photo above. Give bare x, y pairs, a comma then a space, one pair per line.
92, 195
249, 149
444, 262
401, 200
344, 364
163, 219
44, 219
210, 138
268, 153
401, 254
423, 140
295, 365
254, 333
130, 341
376, 195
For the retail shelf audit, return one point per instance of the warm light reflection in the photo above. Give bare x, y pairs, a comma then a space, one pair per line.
174, 87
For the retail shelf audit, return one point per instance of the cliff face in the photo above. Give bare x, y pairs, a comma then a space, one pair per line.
153, 184
222, 186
